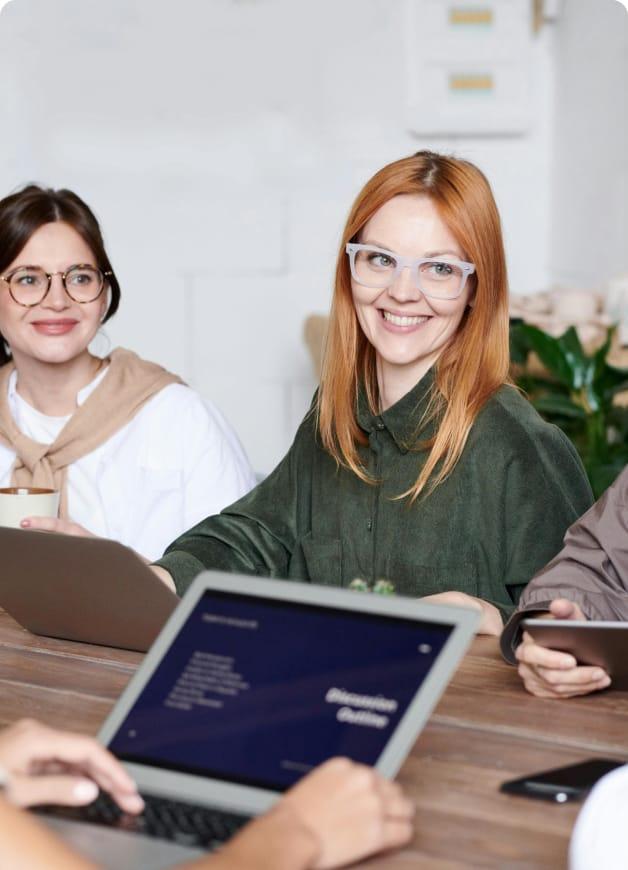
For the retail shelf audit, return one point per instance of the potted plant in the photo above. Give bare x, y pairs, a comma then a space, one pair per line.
577, 391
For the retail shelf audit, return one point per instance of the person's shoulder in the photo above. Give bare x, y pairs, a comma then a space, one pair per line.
177, 399
509, 419
618, 490
306, 440
510, 411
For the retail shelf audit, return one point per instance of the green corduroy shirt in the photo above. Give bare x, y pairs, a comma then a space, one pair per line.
486, 530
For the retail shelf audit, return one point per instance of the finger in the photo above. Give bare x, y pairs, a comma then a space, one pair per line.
93, 759
568, 690
583, 675
562, 692
574, 677
544, 688
28, 791
43, 524
396, 833
395, 803
533, 654
563, 608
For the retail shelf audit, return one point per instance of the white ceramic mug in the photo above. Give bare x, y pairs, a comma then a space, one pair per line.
18, 502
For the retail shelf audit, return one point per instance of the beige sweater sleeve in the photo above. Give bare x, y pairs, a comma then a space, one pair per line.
591, 569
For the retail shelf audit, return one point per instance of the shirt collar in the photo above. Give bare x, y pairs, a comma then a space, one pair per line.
81, 396
402, 419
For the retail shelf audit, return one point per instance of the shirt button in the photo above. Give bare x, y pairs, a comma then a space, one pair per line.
379, 424
369, 524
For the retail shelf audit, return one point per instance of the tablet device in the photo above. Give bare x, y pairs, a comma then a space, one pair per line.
592, 643
87, 589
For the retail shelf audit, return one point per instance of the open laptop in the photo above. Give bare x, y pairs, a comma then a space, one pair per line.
251, 684
87, 589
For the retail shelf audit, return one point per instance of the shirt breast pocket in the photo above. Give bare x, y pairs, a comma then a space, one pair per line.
416, 580
161, 479
323, 559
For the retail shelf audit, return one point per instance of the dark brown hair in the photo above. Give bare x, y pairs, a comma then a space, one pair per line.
24, 212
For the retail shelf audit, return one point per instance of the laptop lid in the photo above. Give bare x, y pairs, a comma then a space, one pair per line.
254, 682
87, 589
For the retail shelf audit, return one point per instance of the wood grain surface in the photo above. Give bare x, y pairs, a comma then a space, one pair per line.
486, 729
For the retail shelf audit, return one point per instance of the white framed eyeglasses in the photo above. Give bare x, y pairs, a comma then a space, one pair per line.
437, 278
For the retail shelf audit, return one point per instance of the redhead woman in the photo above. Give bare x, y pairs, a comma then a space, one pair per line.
418, 462
137, 455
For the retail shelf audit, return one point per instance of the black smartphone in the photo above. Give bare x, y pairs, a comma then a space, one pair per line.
562, 784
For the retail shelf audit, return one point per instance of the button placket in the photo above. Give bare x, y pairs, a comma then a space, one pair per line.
375, 440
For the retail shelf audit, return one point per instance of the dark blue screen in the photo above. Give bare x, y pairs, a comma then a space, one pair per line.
259, 692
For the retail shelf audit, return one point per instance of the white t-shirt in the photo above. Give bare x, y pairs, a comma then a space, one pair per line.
176, 462
600, 837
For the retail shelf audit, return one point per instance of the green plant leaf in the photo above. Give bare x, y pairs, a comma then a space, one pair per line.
519, 347
548, 405
551, 353
581, 366
577, 394
611, 381
599, 357
603, 474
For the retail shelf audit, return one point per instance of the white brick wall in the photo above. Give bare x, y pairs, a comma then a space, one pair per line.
590, 178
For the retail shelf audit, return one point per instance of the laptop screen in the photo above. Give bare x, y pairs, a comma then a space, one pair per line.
258, 691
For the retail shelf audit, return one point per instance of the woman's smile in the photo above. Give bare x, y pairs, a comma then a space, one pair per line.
394, 321
56, 326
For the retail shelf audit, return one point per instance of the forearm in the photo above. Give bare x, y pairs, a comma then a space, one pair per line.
592, 567
511, 634
276, 841
225, 543
589, 588
27, 844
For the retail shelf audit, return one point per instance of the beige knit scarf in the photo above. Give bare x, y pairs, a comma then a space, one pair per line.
129, 383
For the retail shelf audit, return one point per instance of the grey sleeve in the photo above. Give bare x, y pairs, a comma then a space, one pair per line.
591, 569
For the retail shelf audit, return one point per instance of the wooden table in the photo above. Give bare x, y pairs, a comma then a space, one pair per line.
486, 729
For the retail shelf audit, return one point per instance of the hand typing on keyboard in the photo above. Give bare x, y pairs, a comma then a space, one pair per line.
42, 765
184, 823
339, 813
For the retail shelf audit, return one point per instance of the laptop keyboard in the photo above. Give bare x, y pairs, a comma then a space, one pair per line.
185, 824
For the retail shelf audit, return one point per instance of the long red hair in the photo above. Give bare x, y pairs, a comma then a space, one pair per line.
474, 364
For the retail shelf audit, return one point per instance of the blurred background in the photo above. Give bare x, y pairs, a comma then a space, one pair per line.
221, 143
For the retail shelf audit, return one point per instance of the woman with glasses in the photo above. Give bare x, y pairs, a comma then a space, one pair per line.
136, 455
419, 463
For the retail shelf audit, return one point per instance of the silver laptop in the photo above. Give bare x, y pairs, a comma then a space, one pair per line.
251, 684
86, 589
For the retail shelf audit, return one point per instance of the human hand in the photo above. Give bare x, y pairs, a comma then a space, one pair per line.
549, 673
54, 524
164, 576
49, 766
491, 621
351, 811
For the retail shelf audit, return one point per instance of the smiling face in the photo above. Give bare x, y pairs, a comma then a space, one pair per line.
57, 330
408, 330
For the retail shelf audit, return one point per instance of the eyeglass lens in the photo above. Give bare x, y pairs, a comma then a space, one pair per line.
378, 269
29, 285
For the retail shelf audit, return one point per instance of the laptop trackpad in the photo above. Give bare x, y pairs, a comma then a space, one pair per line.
118, 850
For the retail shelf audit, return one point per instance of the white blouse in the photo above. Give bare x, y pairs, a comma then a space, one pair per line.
600, 837
176, 462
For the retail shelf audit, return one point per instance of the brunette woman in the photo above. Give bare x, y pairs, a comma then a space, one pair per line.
137, 455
